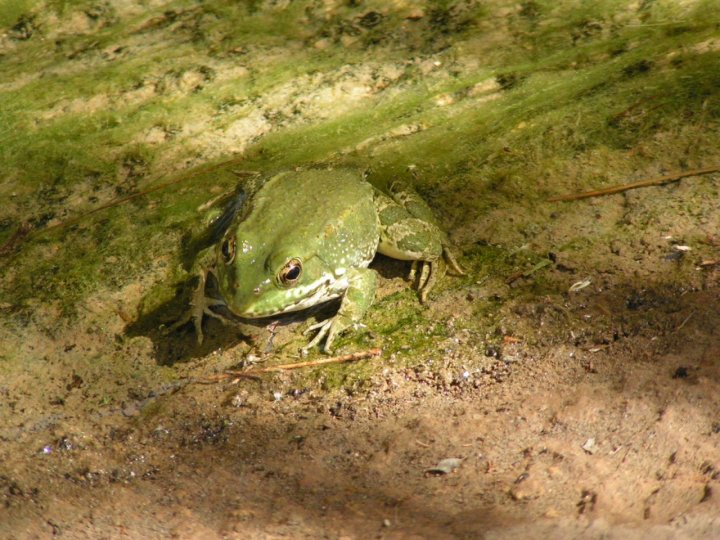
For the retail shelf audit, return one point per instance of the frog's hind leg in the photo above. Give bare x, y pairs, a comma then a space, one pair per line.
408, 198
411, 201
406, 237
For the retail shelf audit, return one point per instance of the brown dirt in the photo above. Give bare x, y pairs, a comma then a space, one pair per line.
611, 432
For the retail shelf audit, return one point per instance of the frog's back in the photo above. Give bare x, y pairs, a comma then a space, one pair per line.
325, 212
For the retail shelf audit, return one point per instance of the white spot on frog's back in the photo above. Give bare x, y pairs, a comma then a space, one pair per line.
246, 247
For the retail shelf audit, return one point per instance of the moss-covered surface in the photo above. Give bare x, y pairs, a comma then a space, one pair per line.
144, 111
492, 106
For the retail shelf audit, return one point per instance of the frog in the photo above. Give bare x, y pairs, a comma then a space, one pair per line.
298, 239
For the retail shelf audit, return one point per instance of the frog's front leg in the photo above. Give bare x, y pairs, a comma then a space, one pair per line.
357, 299
200, 305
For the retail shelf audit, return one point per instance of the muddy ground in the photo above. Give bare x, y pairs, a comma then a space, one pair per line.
572, 378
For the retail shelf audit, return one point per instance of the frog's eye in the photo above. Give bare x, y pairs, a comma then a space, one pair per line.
227, 249
290, 273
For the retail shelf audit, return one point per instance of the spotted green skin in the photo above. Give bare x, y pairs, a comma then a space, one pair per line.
334, 223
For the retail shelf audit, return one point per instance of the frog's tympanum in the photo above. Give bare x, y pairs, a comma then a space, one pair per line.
298, 239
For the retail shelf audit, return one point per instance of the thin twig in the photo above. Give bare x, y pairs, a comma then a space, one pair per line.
659, 181
685, 321
228, 375
319, 362
254, 373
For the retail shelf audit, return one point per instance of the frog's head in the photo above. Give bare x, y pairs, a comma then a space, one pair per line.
259, 280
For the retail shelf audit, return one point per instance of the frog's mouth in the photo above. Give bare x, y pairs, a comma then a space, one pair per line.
296, 298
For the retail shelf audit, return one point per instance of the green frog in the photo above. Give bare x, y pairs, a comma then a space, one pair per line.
297, 239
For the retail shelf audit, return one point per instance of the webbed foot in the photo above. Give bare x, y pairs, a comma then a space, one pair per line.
200, 305
328, 329
355, 302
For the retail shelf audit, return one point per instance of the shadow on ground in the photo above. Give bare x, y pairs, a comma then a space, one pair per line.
582, 436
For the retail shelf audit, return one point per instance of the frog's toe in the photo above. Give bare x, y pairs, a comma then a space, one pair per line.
209, 302
413, 271
197, 326
452, 263
186, 318
431, 272
212, 302
322, 327
199, 307
425, 273
328, 330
